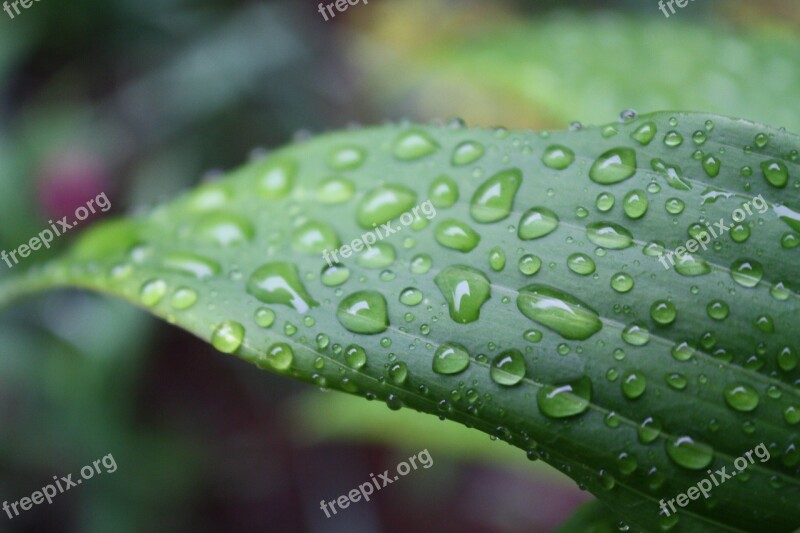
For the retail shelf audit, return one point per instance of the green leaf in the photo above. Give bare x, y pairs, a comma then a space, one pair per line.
592, 517
534, 308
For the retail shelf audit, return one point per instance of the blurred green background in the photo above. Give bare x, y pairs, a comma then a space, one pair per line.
143, 99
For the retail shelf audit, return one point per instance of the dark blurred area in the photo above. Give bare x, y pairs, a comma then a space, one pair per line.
145, 99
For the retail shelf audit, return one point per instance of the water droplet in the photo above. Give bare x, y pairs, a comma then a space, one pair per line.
649, 430
614, 166
279, 357
443, 192
529, 264
687, 453
456, 235
467, 153
622, 282
633, 384
563, 313
279, 283
224, 229
691, 265
183, 298
562, 401
776, 173
191, 264
676, 381
335, 191
673, 139
581, 264
264, 317
383, 204
674, 206
792, 415
414, 144
741, 397
663, 312
355, 356
740, 232
450, 358
604, 202
636, 334
398, 372
497, 259
508, 368
537, 222
466, 289
712, 166
558, 157
494, 198
747, 273
635, 204
347, 158
363, 312
627, 463
152, 292
314, 237
411, 296
274, 177
334, 275
420, 264
788, 359
380, 255
717, 310
228, 336
645, 133
672, 173
699, 137
609, 235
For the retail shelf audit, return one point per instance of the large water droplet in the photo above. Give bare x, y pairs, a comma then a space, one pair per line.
508, 368
335, 191
747, 273
635, 204
466, 289
494, 199
563, 401
688, 453
279, 357
536, 223
414, 144
558, 157
609, 235
450, 358
581, 264
228, 336
314, 237
183, 298
467, 152
355, 356
384, 204
334, 275
443, 192
456, 235
645, 133
379, 255
275, 177
279, 283
741, 397
776, 173
563, 313
614, 166
364, 312
347, 158
191, 264
152, 292
224, 229
633, 384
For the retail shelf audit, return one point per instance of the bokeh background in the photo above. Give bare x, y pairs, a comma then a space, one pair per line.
143, 99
